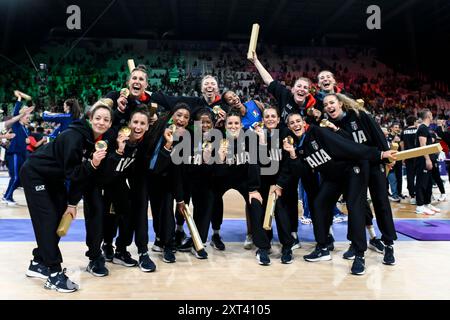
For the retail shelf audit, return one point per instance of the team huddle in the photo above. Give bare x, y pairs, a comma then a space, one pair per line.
125, 153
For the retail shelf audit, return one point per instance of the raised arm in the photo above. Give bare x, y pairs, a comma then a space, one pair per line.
265, 75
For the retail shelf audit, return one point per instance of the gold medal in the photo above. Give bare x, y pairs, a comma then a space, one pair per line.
101, 145
173, 128
125, 131
125, 92
310, 112
216, 109
325, 123
290, 140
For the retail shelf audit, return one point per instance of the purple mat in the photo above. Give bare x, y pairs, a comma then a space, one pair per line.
429, 230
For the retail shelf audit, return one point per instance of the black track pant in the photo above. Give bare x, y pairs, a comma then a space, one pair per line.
203, 201
382, 207
354, 181
160, 192
130, 206
410, 176
179, 218
424, 184
282, 217
398, 170
93, 219
437, 177
255, 210
47, 203
290, 203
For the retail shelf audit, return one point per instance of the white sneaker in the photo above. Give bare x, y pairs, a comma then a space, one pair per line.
433, 208
443, 197
424, 210
248, 243
412, 200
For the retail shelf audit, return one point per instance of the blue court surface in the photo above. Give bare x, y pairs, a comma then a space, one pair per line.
233, 230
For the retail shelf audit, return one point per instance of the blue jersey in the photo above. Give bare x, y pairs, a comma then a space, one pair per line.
64, 119
252, 115
18, 143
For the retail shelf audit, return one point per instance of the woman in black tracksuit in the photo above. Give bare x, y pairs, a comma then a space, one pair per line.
264, 174
337, 161
163, 176
363, 129
127, 193
200, 181
70, 158
232, 172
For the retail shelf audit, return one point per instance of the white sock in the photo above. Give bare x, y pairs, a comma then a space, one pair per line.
371, 231
294, 234
216, 231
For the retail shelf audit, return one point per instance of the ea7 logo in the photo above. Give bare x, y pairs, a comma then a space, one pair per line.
354, 125
315, 145
40, 188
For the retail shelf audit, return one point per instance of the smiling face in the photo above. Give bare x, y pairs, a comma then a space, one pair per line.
270, 118
295, 124
233, 124
100, 121
332, 106
137, 83
326, 81
206, 123
300, 91
232, 99
181, 118
139, 125
209, 88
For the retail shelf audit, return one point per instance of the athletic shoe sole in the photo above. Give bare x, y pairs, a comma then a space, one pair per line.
296, 246
287, 262
195, 254
323, 258
358, 273
146, 270
53, 287
248, 246
169, 261
262, 263
374, 248
389, 264
97, 274
34, 274
214, 246
157, 249
348, 258
122, 263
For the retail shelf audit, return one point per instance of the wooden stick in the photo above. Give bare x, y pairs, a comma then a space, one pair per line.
417, 152
253, 40
131, 65
64, 225
198, 244
270, 210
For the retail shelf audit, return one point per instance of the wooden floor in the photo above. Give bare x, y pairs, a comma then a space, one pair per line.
422, 270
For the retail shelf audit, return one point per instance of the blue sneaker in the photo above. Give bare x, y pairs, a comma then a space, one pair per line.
262, 255
358, 266
60, 282
37, 270
319, 254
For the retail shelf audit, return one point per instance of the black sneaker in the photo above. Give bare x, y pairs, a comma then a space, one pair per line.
168, 255
108, 252
286, 255
389, 258
37, 270
330, 242
376, 245
297, 244
186, 246
124, 259
179, 237
157, 246
319, 254
349, 254
358, 266
145, 263
216, 242
200, 254
97, 267
61, 283
262, 255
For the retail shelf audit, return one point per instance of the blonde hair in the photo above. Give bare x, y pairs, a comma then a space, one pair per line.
350, 104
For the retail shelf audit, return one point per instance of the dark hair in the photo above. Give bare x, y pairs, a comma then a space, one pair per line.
410, 120
395, 124
234, 112
142, 109
223, 96
293, 114
140, 67
74, 108
268, 106
207, 113
181, 105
